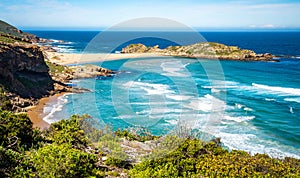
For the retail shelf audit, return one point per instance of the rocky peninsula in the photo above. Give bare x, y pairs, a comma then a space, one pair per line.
205, 50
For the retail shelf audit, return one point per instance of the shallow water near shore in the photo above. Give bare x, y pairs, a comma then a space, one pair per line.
253, 106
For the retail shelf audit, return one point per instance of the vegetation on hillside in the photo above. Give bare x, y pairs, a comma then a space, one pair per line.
4, 38
194, 158
11, 34
72, 148
9, 29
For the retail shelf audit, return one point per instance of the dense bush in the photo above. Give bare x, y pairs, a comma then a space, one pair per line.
194, 158
63, 161
14, 164
68, 131
65, 150
16, 131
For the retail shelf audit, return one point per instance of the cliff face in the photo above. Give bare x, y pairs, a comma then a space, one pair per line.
24, 71
207, 50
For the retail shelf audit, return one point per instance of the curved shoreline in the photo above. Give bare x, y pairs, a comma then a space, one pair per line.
35, 113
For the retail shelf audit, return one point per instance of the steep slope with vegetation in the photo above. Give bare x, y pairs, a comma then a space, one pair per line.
7, 30
74, 148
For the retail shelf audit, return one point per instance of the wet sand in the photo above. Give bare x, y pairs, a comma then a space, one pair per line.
35, 113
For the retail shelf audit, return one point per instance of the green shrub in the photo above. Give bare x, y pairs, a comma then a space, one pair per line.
68, 131
16, 131
194, 158
63, 161
9, 161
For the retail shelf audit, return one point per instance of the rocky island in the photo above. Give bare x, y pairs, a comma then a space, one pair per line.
205, 50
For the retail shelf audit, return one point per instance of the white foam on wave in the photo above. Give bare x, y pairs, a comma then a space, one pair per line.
63, 46
225, 83
162, 112
291, 110
239, 118
55, 41
246, 142
278, 90
150, 88
64, 50
207, 103
172, 122
174, 68
51, 108
219, 87
152, 103
213, 90
244, 107
270, 99
178, 97
297, 100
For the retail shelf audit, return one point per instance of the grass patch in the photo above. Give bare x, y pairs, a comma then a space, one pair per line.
55, 68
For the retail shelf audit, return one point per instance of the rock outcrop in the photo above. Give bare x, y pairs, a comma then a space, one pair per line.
89, 71
24, 71
206, 50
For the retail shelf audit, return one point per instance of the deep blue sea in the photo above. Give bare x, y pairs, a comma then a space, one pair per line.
253, 106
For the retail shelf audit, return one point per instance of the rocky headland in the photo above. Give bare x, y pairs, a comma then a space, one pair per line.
27, 75
205, 50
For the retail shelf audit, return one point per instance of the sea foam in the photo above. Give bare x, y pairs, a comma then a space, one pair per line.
207, 103
278, 90
51, 108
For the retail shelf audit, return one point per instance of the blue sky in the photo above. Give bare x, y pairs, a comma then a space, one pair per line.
255, 14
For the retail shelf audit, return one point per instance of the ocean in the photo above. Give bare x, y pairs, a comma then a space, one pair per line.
252, 106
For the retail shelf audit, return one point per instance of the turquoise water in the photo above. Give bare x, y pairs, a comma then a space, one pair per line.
253, 106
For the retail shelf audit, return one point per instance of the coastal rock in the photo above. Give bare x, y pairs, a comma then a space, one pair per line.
135, 48
89, 71
24, 71
206, 50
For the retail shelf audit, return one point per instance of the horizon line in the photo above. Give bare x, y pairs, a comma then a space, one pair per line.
212, 29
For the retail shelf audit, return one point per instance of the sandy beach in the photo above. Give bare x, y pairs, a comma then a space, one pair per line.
72, 58
35, 113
